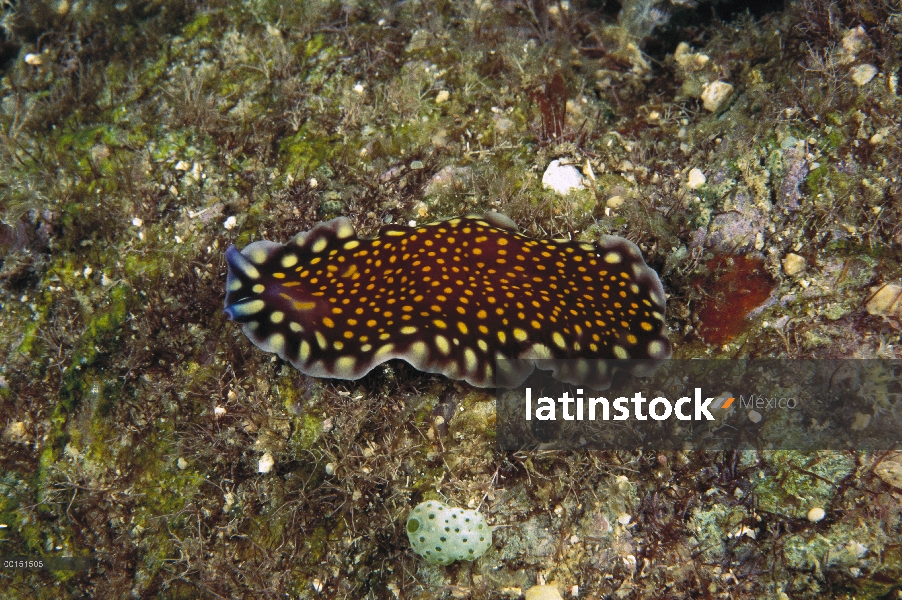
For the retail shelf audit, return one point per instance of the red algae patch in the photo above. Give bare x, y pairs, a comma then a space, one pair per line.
733, 288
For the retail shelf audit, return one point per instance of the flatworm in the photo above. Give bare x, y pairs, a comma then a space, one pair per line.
452, 297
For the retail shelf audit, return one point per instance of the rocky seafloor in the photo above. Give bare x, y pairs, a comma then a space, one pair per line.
751, 151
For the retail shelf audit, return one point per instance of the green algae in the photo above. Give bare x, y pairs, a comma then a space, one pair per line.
792, 483
714, 525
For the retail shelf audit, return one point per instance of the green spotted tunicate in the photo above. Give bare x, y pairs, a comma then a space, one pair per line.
441, 534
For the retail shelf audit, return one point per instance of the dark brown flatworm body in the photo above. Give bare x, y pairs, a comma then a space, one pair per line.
450, 297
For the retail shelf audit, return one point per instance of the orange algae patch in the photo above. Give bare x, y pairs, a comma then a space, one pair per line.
733, 288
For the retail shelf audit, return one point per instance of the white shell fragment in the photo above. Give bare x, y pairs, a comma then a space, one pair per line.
715, 94
266, 463
793, 264
562, 178
696, 179
886, 301
862, 74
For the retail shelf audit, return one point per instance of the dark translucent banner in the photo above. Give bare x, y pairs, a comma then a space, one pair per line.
701, 405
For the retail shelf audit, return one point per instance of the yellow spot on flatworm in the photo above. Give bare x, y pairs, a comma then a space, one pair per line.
259, 288
289, 260
386, 349
257, 255
656, 348
540, 351
408, 330
345, 230
419, 350
345, 365
250, 308
319, 245
470, 360
520, 334
277, 316
276, 343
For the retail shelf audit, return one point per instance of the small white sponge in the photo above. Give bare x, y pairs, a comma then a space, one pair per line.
441, 534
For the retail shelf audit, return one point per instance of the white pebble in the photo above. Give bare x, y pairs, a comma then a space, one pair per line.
696, 179
793, 264
754, 416
230, 222
886, 301
855, 40
137, 222
562, 178
219, 411
182, 464
442, 96
266, 463
330, 469
542, 592
182, 166
359, 88
715, 94
33, 59
87, 272
863, 74
816, 514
